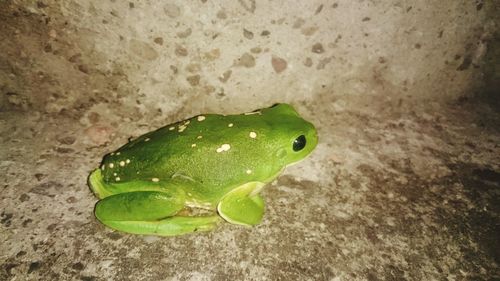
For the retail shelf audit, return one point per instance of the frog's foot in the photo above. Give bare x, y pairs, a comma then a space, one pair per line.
243, 205
151, 213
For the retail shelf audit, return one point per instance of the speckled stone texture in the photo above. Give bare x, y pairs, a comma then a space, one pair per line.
404, 184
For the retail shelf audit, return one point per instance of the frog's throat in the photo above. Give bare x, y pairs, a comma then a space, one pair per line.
293, 163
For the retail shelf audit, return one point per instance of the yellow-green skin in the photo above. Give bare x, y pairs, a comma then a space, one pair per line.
213, 162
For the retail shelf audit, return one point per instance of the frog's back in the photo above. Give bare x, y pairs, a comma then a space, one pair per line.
209, 149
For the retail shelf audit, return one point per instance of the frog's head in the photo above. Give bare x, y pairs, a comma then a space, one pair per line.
295, 137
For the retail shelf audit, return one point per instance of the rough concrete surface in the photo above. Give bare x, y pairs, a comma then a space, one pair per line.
404, 184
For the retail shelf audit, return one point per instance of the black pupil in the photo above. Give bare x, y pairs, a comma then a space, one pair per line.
299, 143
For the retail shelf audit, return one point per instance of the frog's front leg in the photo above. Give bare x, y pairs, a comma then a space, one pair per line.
243, 205
151, 213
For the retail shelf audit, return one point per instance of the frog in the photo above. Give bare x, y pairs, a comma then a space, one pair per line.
190, 175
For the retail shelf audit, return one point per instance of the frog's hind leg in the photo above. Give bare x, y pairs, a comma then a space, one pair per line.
151, 213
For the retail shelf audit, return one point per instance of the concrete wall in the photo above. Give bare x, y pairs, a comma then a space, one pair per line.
154, 58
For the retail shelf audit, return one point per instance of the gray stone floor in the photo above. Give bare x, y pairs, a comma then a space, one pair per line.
387, 195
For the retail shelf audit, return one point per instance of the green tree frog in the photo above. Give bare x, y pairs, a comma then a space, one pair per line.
154, 184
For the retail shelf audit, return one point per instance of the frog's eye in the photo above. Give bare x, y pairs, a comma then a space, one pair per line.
299, 143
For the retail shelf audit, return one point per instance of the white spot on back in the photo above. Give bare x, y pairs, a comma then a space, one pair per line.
127, 161
118, 153
146, 139
155, 179
122, 163
117, 178
224, 147
111, 165
201, 118
230, 125
199, 137
249, 171
253, 135
182, 128
171, 128
193, 145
